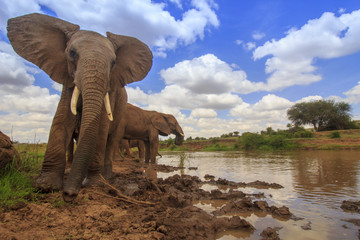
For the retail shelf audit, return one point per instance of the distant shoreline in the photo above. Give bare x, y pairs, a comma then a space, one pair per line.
349, 140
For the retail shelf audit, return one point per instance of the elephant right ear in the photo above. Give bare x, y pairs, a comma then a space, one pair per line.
133, 59
159, 122
41, 39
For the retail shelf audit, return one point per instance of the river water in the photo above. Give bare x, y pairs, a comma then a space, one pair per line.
315, 184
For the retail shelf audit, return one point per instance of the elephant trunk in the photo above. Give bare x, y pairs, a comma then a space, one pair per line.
179, 139
93, 92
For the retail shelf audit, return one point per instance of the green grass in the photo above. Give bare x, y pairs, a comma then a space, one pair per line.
16, 179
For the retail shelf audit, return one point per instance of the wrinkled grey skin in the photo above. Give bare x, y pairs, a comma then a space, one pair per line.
147, 126
96, 65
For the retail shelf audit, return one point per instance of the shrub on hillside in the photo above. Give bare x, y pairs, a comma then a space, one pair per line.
252, 140
335, 135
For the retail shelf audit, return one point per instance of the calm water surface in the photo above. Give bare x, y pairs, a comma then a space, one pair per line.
315, 184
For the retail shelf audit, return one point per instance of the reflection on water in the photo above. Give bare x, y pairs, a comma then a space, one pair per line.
315, 183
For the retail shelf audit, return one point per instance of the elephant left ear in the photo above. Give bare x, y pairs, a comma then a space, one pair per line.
161, 124
133, 59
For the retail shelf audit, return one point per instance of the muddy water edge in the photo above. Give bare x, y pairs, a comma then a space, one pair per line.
315, 185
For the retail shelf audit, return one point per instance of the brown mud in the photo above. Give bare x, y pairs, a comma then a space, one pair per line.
154, 208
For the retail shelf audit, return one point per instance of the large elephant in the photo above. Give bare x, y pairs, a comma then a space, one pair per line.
93, 70
147, 126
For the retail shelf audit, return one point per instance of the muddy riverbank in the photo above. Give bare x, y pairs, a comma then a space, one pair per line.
138, 205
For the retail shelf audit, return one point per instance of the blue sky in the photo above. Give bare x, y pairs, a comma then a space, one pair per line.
219, 65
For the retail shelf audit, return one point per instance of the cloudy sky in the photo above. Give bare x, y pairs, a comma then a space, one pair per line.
219, 65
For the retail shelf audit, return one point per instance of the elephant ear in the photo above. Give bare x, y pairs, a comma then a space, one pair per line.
133, 59
159, 122
41, 39
173, 123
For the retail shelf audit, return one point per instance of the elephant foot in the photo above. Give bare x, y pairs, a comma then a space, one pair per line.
49, 181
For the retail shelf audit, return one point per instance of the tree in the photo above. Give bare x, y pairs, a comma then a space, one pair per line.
322, 114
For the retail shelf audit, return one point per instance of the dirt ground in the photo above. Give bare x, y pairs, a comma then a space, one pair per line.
138, 205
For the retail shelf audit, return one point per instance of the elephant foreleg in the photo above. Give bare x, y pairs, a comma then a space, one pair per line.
112, 150
147, 151
63, 125
154, 146
141, 148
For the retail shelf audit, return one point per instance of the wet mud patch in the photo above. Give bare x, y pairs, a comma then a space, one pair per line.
351, 206
99, 213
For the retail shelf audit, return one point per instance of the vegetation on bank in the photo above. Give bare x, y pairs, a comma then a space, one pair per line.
294, 138
16, 179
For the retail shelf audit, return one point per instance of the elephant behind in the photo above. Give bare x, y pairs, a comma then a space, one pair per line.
93, 70
126, 144
147, 126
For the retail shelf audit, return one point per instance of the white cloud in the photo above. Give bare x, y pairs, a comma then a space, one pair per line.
309, 99
144, 19
203, 113
342, 10
209, 75
26, 111
181, 98
270, 108
14, 73
353, 95
238, 42
258, 35
177, 3
29, 127
249, 45
30, 99
57, 86
293, 56
203, 120
272, 102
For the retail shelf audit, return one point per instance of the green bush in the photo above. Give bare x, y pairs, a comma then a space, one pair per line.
335, 135
236, 146
277, 141
252, 140
303, 134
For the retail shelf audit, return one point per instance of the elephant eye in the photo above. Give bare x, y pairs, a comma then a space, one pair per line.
112, 64
72, 53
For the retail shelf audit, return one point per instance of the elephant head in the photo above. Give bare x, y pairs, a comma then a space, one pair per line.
167, 124
87, 64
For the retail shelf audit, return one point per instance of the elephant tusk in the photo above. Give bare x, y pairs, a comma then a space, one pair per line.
108, 107
181, 134
74, 100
